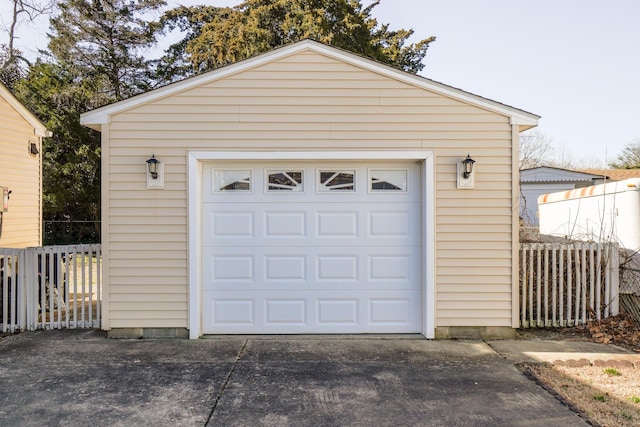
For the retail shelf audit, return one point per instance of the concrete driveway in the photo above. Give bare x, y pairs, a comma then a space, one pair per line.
80, 378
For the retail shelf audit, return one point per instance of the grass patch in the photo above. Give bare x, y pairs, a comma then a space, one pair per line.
612, 372
600, 395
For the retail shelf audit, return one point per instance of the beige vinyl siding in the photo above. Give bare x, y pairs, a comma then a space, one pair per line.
307, 101
20, 172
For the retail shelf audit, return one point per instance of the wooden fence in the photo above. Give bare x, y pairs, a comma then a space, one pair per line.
56, 287
567, 284
50, 287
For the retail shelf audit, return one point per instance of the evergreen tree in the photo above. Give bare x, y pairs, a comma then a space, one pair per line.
106, 41
71, 157
219, 36
96, 57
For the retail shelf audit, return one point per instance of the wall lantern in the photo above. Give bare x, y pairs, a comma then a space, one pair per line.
33, 148
155, 173
467, 166
152, 164
465, 173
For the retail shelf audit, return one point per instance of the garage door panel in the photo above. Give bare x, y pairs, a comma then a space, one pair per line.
313, 224
395, 267
237, 311
285, 312
396, 224
237, 268
285, 224
337, 268
333, 312
230, 224
336, 224
255, 181
316, 268
276, 312
390, 311
298, 248
281, 268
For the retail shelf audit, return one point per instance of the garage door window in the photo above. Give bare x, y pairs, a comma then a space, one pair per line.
285, 181
337, 180
232, 180
388, 180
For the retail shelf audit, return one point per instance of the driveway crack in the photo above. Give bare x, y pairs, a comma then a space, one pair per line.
226, 381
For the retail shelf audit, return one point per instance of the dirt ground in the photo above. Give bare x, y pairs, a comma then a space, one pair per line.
603, 395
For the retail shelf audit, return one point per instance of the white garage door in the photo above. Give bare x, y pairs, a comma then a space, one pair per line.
311, 247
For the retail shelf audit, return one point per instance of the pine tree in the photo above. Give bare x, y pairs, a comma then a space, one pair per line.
105, 40
219, 36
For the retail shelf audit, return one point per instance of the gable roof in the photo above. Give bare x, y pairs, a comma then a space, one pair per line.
38, 127
96, 118
548, 174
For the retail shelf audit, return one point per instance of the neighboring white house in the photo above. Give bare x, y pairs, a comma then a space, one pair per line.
535, 182
21, 136
309, 190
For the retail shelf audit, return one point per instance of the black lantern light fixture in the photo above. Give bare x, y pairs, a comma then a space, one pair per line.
467, 166
152, 164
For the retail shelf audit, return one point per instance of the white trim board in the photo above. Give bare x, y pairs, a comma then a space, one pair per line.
195, 159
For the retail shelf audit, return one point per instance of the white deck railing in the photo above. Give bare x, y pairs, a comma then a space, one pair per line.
50, 287
568, 284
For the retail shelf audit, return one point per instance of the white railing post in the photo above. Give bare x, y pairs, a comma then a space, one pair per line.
598, 307
30, 279
98, 287
4, 287
561, 291
546, 286
530, 298
523, 285
592, 276
554, 287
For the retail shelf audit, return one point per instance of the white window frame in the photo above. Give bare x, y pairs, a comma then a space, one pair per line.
195, 161
269, 171
334, 192
214, 187
370, 183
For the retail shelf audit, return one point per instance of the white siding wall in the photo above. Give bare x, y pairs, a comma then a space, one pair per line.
20, 172
306, 101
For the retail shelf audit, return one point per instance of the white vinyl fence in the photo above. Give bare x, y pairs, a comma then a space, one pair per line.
568, 284
50, 287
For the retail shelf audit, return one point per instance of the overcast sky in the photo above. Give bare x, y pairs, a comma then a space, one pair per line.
576, 63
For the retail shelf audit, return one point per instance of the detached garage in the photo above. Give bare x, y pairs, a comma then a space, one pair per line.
309, 190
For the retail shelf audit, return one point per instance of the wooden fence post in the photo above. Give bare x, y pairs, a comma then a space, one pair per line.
613, 268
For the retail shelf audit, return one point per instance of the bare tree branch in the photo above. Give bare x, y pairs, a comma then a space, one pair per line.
535, 150
22, 11
630, 156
